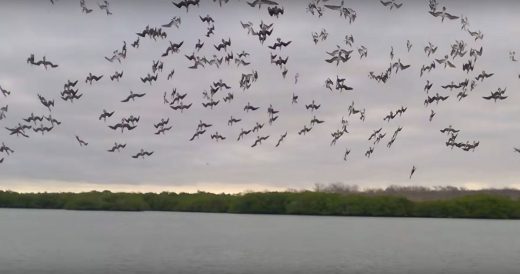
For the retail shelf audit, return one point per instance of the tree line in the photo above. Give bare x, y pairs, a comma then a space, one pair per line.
353, 203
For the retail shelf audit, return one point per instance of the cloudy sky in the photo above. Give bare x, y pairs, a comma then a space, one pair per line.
78, 43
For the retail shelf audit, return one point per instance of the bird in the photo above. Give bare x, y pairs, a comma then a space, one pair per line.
207, 19
175, 21
81, 142
259, 3
259, 140
391, 4
5, 92
197, 134
92, 77
6, 149
142, 153
279, 44
412, 172
216, 136
117, 147
249, 107
282, 137
483, 75
232, 120
173, 48
432, 114
116, 76
132, 96
496, 95
443, 14
347, 152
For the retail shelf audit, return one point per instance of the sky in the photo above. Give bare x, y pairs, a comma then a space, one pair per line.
78, 42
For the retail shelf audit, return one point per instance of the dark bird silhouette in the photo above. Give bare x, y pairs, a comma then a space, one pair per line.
149, 78
163, 130
232, 121
312, 106
19, 130
282, 137
496, 95
173, 48
197, 134
243, 133
391, 4
106, 115
117, 147
142, 153
223, 44
259, 3
42, 129
483, 75
47, 103
6, 149
207, 19
162, 123
186, 4
135, 44
259, 140
275, 11
122, 126
5, 92
170, 75
211, 30
249, 107
132, 96
279, 44
92, 77
176, 21
181, 106
347, 152
81, 142
304, 130
412, 172
294, 99
216, 136
116, 76
443, 14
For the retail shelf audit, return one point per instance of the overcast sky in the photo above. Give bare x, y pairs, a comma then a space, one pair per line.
78, 43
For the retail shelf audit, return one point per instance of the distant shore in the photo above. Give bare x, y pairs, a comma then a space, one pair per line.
332, 200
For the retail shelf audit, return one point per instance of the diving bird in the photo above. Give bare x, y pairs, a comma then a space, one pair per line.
282, 137
412, 172
347, 152
6, 149
81, 142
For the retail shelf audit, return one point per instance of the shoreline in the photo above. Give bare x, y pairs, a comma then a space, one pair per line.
303, 203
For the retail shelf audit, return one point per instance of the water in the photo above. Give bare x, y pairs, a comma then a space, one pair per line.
57, 241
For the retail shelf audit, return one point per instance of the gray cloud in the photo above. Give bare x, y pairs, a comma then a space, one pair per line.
78, 43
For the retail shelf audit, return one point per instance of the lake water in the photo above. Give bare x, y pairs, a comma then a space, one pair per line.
57, 241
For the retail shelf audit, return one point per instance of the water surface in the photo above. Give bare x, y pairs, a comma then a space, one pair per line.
59, 241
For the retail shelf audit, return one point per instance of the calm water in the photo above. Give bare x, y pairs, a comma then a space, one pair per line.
54, 241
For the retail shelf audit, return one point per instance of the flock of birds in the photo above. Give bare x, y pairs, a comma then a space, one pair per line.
221, 92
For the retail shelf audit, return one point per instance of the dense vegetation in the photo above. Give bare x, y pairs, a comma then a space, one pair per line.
352, 203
